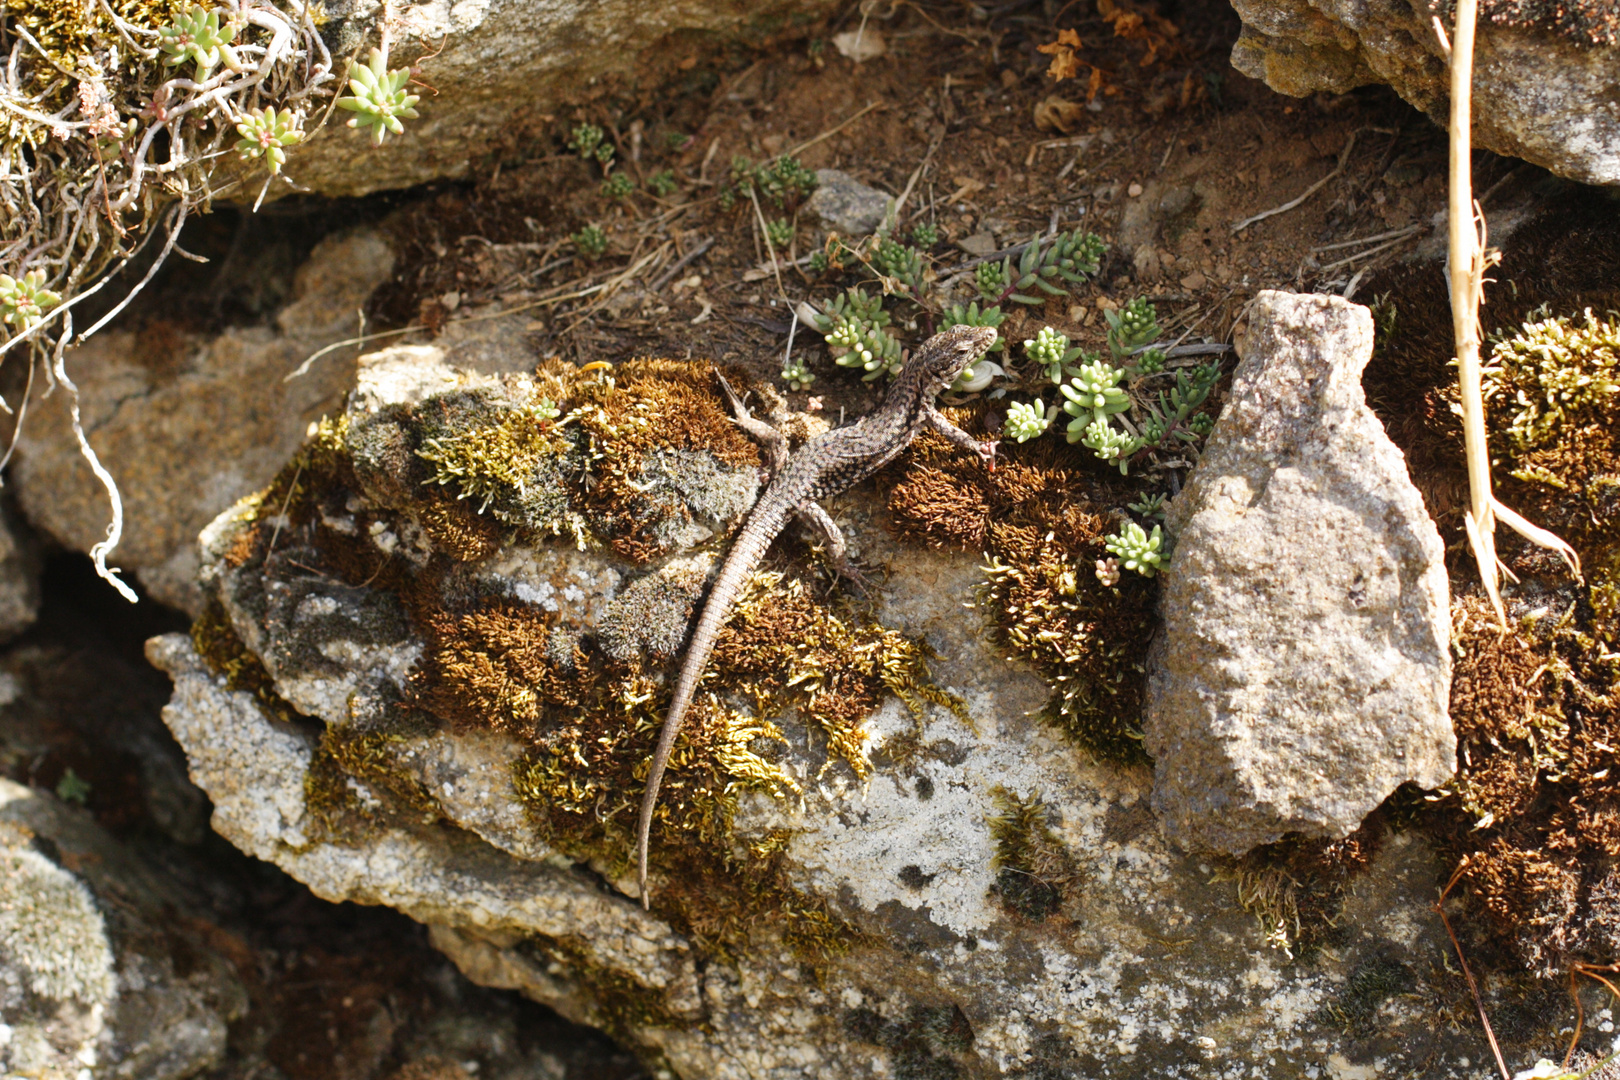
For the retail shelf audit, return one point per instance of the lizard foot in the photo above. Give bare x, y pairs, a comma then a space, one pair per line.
855, 576
987, 453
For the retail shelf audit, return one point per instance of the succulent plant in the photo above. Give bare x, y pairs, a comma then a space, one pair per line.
25, 300
618, 186
925, 235
196, 36
1051, 350
1137, 549
584, 140
1131, 327
378, 98
1106, 442
1094, 394
267, 133
662, 183
779, 232
590, 242
1028, 420
797, 375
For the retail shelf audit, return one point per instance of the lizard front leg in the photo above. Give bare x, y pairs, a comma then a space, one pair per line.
961, 439
818, 519
774, 442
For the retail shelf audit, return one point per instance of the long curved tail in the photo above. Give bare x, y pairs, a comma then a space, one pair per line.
744, 556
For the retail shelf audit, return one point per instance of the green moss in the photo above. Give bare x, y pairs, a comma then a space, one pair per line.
459, 467
508, 455
1551, 367
583, 777
1295, 887
70, 30
337, 809
1034, 870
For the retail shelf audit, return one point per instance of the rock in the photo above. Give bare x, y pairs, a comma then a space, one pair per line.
188, 435
1303, 669
1546, 98
19, 575
845, 205
981, 243
504, 68
99, 970
894, 894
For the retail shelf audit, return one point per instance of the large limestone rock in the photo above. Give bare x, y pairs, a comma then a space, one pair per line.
101, 973
1303, 672
996, 902
506, 67
1551, 99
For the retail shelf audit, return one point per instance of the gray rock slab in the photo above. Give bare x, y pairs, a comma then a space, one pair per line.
1303, 672
100, 975
1537, 95
500, 67
846, 205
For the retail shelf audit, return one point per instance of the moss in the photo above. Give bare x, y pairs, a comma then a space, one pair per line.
922, 1044
663, 415
70, 31
357, 503
222, 650
1534, 813
1372, 982
1036, 522
1295, 887
337, 809
624, 1008
1034, 871
583, 777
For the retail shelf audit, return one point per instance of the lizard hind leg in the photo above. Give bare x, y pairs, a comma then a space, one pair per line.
820, 521
774, 443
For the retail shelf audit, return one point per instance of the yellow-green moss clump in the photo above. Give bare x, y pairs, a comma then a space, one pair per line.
408, 498
1036, 522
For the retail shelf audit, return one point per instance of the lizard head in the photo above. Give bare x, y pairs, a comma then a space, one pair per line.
950, 352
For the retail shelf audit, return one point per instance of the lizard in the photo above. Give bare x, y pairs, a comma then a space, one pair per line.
824, 466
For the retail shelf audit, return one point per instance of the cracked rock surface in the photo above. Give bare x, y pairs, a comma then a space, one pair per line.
1303, 670
889, 942
1546, 98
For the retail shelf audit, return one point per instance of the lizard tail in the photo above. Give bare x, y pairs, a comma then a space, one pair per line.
655, 777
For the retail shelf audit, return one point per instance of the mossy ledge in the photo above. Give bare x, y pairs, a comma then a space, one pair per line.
421, 499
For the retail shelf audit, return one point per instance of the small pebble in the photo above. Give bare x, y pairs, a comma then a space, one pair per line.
1134, 190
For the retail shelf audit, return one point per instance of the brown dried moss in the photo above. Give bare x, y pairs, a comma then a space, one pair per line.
1295, 887
1036, 521
1534, 813
649, 407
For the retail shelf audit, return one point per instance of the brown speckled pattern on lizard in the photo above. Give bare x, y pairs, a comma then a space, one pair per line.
824, 466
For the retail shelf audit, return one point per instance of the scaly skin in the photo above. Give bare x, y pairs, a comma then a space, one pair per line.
826, 465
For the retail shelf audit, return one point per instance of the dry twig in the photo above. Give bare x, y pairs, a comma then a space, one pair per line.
1467, 260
